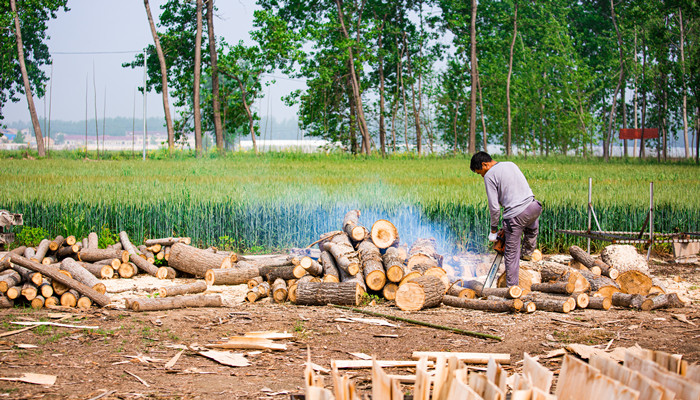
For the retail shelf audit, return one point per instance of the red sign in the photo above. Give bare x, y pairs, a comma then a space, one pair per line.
649, 133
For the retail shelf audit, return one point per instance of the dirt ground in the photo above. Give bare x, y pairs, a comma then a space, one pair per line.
125, 357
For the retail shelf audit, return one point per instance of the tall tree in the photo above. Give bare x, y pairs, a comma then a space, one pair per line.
472, 115
197, 76
608, 134
218, 129
509, 137
164, 78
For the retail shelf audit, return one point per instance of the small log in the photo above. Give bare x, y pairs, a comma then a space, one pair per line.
279, 290
516, 304
550, 304
384, 234
84, 303
631, 300
171, 303
155, 249
41, 250
160, 255
524, 279
95, 255
166, 254
14, 292
483, 305
167, 241
600, 284
474, 285
394, 260
100, 271
389, 291
84, 243
582, 299
345, 255
540, 296
423, 255
299, 271
230, 276
127, 270
270, 274
147, 255
114, 263
92, 241
142, 264
322, 293
528, 307
116, 246
48, 260
311, 266
82, 275
195, 261
8, 279
52, 301
29, 291
634, 282
188, 288
58, 287
670, 300
37, 302
352, 228
45, 270
166, 273
56, 243
45, 289
359, 279
557, 287
25, 273
5, 260
70, 240
599, 303
423, 292
513, 292
6, 303
68, 251
255, 281
459, 291
260, 291
372, 267
330, 270
70, 298
410, 276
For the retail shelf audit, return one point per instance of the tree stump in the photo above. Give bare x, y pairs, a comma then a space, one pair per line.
372, 267
384, 234
171, 303
196, 261
394, 260
352, 227
423, 292
322, 293
188, 288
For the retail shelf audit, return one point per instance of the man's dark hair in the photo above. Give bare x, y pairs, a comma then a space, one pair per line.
478, 159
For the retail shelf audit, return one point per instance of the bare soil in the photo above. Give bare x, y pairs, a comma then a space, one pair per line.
129, 345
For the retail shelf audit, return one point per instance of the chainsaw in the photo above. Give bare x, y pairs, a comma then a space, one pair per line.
499, 246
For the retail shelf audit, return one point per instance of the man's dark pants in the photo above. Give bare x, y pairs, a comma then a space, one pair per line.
527, 223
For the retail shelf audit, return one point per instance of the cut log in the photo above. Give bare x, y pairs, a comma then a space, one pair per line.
599, 302
582, 299
516, 304
41, 250
146, 254
423, 255
45, 289
166, 253
56, 276
58, 287
500, 305
5, 260
269, 261
525, 279
322, 293
68, 251
591, 263
49, 260
82, 275
423, 292
372, 267
459, 291
512, 292
70, 240
37, 302
600, 284
187, 288
25, 273
84, 303
8, 279
230, 276
6, 303
395, 264
345, 255
550, 304
167, 241
171, 303
624, 257
634, 282
410, 276
528, 307
29, 291
389, 291
540, 296
100, 271
142, 264
127, 270
630, 300
56, 243
557, 287
271, 273
260, 291
555, 272
279, 290
384, 234
155, 249
658, 287
166, 273
95, 255
196, 261
311, 266
352, 227
359, 279
52, 301
92, 241
330, 270
70, 298
670, 300
255, 281
115, 262
14, 292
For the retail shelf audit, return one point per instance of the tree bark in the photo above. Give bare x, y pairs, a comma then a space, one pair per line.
599, 303
171, 303
166, 242
94, 255
380, 62
372, 267
188, 288
352, 228
56, 276
82, 275
608, 135
196, 261
27, 87
230, 276
630, 300
509, 135
218, 129
5, 260
197, 76
474, 79
322, 293
589, 262
330, 270
271, 273
394, 263
684, 85
557, 287
423, 292
549, 304
164, 78
345, 256
279, 290
483, 305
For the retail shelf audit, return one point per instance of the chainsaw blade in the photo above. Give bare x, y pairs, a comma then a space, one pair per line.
492, 272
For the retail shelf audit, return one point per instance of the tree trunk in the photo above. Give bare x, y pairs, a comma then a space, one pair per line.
380, 61
684, 85
82, 275
27, 86
218, 129
416, 110
599, 303
352, 228
164, 78
196, 261
197, 86
394, 261
484, 305
608, 136
345, 256
230, 276
188, 288
372, 267
94, 255
171, 303
57, 276
474, 79
423, 292
509, 136
134, 257
481, 107
166, 242
322, 293
670, 300
644, 95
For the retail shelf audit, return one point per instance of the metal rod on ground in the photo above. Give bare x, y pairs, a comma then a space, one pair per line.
651, 218
590, 205
428, 324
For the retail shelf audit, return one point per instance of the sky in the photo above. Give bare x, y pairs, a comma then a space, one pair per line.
103, 34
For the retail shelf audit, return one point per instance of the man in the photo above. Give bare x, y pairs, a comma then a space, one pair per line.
507, 187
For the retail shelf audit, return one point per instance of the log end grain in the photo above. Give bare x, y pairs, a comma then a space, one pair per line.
529, 307
394, 273
375, 280
384, 234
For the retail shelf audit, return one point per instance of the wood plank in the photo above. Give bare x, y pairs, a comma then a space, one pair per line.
539, 376
648, 389
468, 358
485, 388
356, 364
578, 380
381, 383
685, 389
496, 374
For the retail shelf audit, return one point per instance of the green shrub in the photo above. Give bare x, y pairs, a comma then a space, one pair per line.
30, 236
